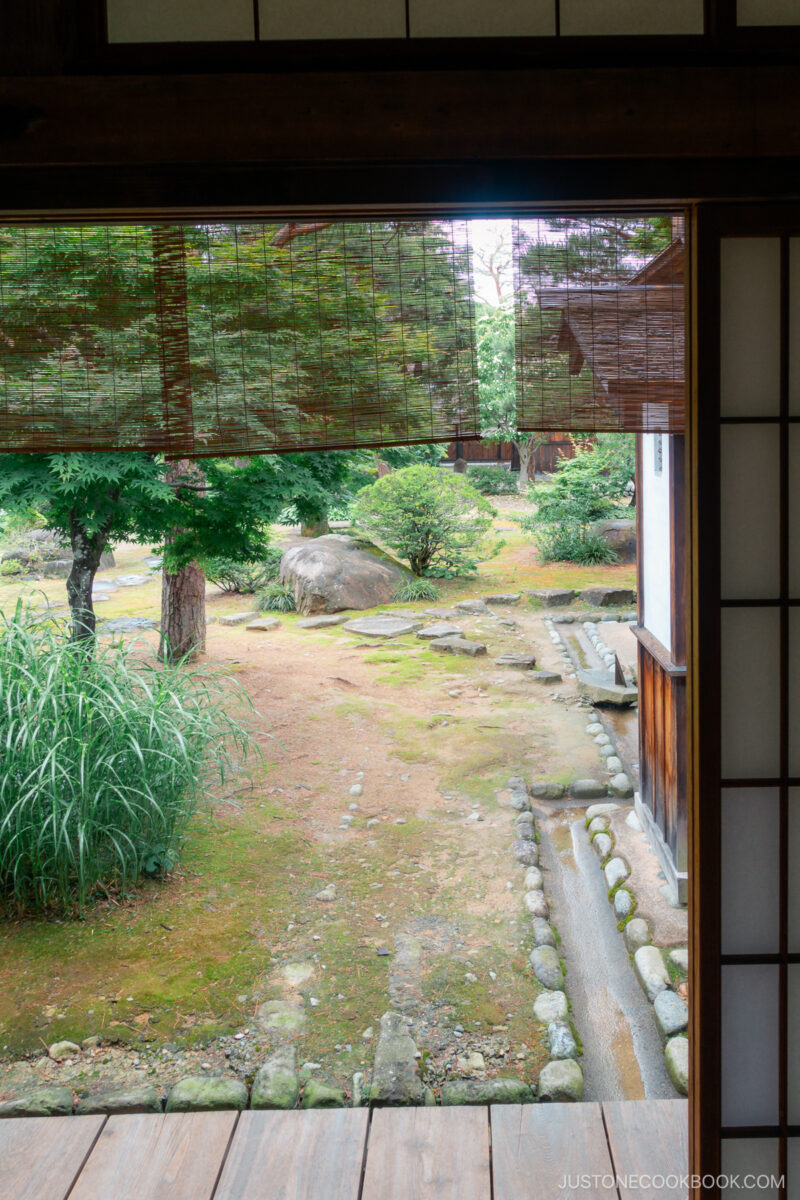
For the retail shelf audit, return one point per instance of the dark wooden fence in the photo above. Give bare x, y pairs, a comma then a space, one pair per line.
558, 445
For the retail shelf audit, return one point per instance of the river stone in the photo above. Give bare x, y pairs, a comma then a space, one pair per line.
521, 662
523, 823
526, 852
533, 879
594, 728
615, 871
457, 645
671, 1013
143, 1099
621, 786
551, 597
323, 621
601, 810
536, 903
486, 1091
333, 573
637, 933
550, 1006
472, 606
263, 624
63, 1050
614, 765
41, 1102
562, 1043
503, 598
547, 791
439, 629
326, 894
542, 932
623, 904
608, 597
676, 1056
547, 968
602, 844
606, 751
561, 1080
203, 1093
275, 1084
679, 957
650, 969
238, 618
394, 1075
597, 825
632, 820
517, 784
380, 627
519, 801
602, 738
588, 789
282, 1017
319, 1095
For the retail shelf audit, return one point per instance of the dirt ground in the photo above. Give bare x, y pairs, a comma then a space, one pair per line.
375, 759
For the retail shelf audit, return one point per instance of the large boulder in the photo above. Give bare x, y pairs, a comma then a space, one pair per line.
335, 572
620, 536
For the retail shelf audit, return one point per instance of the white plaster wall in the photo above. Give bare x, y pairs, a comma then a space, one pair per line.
654, 516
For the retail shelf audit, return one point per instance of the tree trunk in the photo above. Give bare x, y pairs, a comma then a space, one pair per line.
315, 527
87, 551
183, 595
527, 469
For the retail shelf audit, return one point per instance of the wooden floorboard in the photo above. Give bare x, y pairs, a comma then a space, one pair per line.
536, 1147
40, 1158
296, 1156
428, 1154
150, 1157
648, 1137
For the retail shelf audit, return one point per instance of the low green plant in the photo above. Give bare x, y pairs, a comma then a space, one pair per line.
105, 761
415, 590
276, 597
11, 567
244, 578
493, 481
434, 519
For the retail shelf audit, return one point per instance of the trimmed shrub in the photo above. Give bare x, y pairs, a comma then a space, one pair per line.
244, 578
493, 481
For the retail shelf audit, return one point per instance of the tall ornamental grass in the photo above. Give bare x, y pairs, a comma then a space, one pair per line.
104, 761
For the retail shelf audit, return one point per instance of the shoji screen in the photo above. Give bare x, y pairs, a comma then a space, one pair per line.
759, 689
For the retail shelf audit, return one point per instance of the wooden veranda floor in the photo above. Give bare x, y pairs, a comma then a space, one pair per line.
506, 1152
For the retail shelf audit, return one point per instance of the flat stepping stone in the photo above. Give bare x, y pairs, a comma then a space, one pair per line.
589, 789
323, 621
486, 1091
394, 1074
671, 1013
100, 597
608, 597
501, 598
443, 614
206, 1093
551, 597
599, 687
523, 662
546, 677
264, 624
153, 561
440, 629
116, 1100
48, 1101
103, 585
380, 627
127, 624
281, 1017
239, 618
457, 645
131, 580
472, 606
275, 1084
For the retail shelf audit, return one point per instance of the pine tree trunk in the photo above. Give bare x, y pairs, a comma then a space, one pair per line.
87, 551
183, 595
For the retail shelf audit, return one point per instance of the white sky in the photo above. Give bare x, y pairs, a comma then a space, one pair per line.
485, 236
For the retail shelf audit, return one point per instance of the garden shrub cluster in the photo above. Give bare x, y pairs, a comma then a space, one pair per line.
105, 760
493, 481
276, 597
244, 578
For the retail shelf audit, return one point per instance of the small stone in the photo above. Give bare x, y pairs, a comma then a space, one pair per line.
637, 934
588, 789
562, 1043
623, 904
671, 1013
614, 765
199, 1093
595, 728
676, 1056
606, 751
601, 810
602, 738
275, 1084
547, 791
632, 820
650, 970
526, 852
475, 1062
597, 825
41, 1102
326, 894
91, 1043
547, 968
543, 934
602, 844
536, 904
550, 1006
263, 625
524, 824
621, 786
457, 645
615, 870
679, 957
516, 784
533, 879
239, 618
472, 606
486, 1091
519, 801
63, 1050
319, 1095
561, 1081
356, 790
120, 1100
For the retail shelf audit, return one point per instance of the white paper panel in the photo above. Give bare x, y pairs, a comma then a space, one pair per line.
180, 20
749, 1045
580, 17
794, 326
750, 516
794, 691
749, 327
750, 1156
768, 12
750, 865
288, 20
482, 18
750, 701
